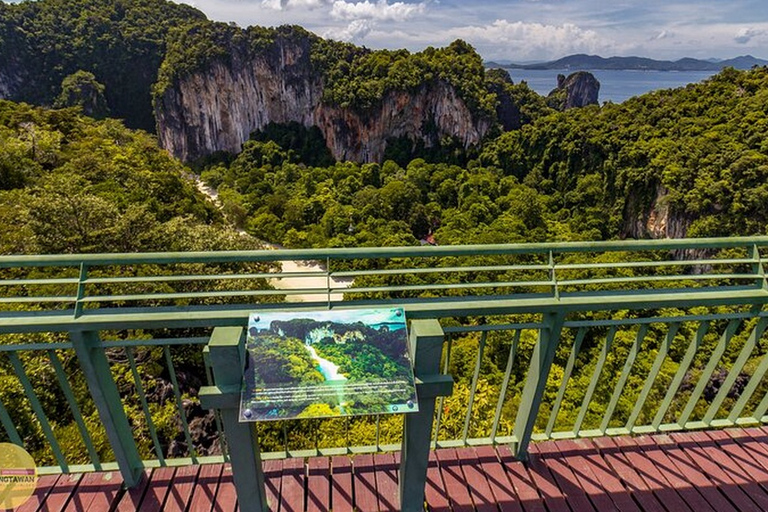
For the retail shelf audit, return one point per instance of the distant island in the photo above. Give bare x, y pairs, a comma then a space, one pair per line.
582, 61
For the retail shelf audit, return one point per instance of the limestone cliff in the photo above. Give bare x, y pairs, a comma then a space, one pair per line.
576, 90
217, 107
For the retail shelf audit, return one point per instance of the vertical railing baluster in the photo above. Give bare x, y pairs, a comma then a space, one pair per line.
758, 268
473, 386
690, 353
441, 400
651, 378
75, 408
754, 381
144, 406
735, 370
505, 384
106, 397
625, 371
10, 428
596, 374
709, 369
536, 381
37, 408
179, 404
78, 310
566, 377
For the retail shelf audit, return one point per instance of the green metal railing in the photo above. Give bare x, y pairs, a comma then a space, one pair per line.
589, 339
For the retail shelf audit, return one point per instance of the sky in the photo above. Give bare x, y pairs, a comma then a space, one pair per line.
523, 30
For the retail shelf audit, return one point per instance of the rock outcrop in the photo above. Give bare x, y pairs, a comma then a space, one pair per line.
577, 90
218, 107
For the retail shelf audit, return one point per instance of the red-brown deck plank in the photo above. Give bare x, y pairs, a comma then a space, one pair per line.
365, 483
341, 482
455, 483
606, 478
103, 488
319, 484
722, 471
617, 464
45, 484
273, 476
387, 466
705, 483
434, 492
522, 481
181, 492
672, 474
204, 494
604, 490
753, 455
563, 475
59, 496
746, 472
479, 489
131, 499
650, 474
226, 497
292, 494
503, 493
159, 484
720, 468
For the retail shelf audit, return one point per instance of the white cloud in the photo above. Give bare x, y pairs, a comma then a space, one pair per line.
281, 5
381, 10
745, 35
355, 31
534, 40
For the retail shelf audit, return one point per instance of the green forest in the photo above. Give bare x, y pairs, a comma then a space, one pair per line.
686, 162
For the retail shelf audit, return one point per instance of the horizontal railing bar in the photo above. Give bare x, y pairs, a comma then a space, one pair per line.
200, 295
237, 314
38, 282
200, 277
436, 270
64, 299
155, 342
35, 346
677, 277
663, 263
46, 260
492, 327
454, 286
664, 319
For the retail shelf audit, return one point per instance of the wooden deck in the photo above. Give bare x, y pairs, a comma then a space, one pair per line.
722, 471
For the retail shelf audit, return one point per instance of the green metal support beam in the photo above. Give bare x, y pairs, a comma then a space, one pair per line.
538, 372
93, 361
227, 355
426, 345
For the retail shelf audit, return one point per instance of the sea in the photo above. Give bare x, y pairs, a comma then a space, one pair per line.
615, 85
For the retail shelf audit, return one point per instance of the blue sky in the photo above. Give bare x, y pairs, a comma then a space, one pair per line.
523, 30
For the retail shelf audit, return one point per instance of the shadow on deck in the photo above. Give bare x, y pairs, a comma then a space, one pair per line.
716, 471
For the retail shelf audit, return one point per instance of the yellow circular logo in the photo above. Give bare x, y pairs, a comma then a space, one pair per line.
18, 476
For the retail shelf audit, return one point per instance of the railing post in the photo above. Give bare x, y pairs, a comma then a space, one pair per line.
93, 361
541, 363
426, 344
227, 355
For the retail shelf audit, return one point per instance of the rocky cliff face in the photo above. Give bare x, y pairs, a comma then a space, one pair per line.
216, 109
576, 90
654, 220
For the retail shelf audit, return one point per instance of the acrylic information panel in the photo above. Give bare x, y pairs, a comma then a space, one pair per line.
327, 363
